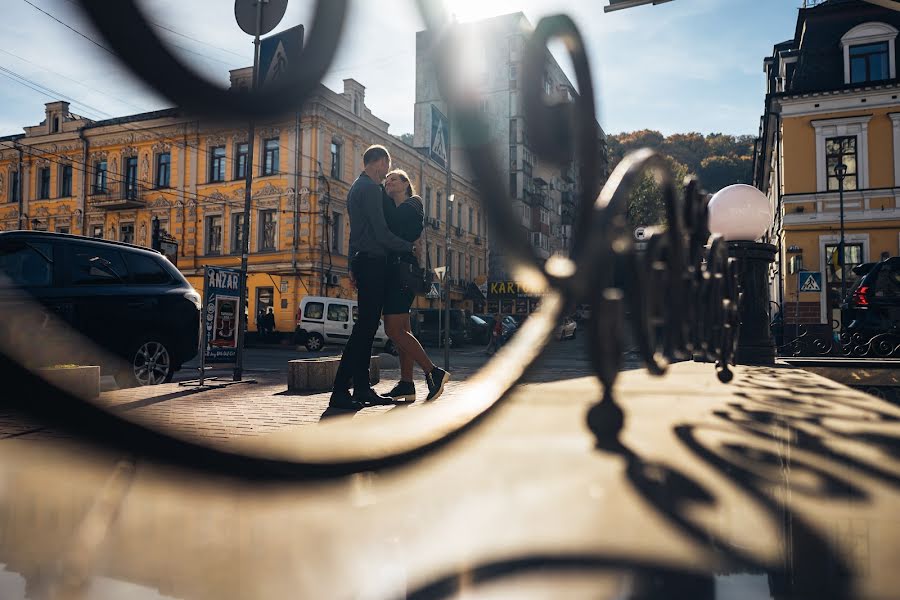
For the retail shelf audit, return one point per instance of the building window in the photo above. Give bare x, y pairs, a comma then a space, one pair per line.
868, 52
62, 229
471, 220
484, 105
548, 85
513, 72
513, 185
270, 157
841, 150
126, 233
214, 234
335, 160
237, 233
43, 183
55, 125
478, 219
869, 62
513, 132
461, 274
437, 207
337, 233
65, 181
853, 256
439, 262
100, 177
163, 169
450, 269
240, 161
459, 221
842, 127
97, 231
131, 177
267, 230
14, 186
216, 164
428, 212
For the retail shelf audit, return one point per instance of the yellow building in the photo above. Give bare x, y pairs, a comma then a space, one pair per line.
833, 98
112, 178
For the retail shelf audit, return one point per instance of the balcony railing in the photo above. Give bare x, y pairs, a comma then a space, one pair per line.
478, 240
117, 196
458, 231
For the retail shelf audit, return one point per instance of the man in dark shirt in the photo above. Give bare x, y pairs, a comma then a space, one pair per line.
370, 243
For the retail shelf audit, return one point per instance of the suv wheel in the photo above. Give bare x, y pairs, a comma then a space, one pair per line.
314, 342
150, 364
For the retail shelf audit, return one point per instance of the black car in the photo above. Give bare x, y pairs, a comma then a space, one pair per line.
130, 301
428, 322
873, 304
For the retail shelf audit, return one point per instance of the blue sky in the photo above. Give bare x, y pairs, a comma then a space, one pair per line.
687, 65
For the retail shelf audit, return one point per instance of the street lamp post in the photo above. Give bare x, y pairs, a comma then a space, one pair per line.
840, 171
742, 214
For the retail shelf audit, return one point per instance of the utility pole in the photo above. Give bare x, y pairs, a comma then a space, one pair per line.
450, 199
245, 226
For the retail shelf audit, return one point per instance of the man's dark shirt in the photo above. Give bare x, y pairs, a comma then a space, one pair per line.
369, 232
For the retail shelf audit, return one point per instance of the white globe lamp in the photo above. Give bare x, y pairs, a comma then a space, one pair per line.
740, 212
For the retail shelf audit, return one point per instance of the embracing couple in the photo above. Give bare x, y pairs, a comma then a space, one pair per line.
385, 222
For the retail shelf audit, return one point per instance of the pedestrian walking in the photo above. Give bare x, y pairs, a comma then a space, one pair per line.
405, 217
370, 243
496, 336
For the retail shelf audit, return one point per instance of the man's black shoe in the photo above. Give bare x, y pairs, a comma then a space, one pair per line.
404, 391
369, 397
341, 399
436, 380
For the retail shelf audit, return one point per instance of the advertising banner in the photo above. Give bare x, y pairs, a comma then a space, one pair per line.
221, 297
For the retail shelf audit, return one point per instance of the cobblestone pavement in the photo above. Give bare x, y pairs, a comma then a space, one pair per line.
225, 410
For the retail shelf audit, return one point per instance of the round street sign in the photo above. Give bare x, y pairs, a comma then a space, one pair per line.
640, 233
272, 13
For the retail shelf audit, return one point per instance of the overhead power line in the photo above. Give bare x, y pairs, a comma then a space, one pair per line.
67, 26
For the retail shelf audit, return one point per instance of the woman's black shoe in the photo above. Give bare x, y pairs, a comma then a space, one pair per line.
436, 380
404, 391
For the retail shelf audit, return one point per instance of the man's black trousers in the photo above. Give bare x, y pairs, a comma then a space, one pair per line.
370, 273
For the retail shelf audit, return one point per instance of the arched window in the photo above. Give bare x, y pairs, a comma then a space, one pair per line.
869, 53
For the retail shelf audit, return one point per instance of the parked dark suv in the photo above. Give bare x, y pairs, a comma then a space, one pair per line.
130, 301
873, 305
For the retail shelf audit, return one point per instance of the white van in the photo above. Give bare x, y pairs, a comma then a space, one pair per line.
323, 320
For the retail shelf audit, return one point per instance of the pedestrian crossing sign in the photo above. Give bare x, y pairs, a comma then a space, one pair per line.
433, 293
810, 281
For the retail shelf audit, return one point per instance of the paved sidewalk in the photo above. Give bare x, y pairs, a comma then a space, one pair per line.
224, 410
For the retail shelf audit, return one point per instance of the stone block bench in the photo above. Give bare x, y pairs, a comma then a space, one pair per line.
317, 374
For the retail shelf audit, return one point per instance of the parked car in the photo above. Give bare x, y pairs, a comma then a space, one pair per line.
480, 329
425, 326
873, 304
129, 300
322, 320
567, 329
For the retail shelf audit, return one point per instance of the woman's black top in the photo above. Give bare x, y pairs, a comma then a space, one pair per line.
406, 221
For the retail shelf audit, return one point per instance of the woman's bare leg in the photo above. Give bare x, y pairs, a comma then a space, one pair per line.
410, 350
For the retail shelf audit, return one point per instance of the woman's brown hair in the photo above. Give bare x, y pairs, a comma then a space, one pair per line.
410, 190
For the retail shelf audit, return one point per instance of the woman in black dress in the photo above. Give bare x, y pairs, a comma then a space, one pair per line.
405, 218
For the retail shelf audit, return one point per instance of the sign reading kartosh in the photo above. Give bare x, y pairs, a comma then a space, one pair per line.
498, 290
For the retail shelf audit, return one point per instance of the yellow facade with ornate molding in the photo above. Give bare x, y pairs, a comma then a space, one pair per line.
112, 178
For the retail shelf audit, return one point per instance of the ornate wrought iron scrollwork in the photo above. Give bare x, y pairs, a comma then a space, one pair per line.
844, 345
680, 295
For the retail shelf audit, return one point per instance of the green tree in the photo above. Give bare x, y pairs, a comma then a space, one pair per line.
646, 206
